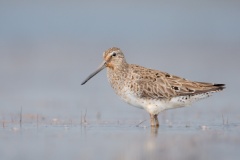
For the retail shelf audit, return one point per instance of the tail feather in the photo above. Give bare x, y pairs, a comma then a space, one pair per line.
208, 87
219, 86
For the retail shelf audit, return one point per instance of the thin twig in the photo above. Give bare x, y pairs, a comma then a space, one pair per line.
223, 119
140, 123
81, 118
37, 120
85, 121
20, 121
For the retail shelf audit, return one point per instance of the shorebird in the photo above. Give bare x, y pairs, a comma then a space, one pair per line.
149, 89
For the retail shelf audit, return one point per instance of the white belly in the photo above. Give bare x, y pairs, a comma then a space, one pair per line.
153, 106
150, 105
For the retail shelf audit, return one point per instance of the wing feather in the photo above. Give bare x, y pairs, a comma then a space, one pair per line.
155, 84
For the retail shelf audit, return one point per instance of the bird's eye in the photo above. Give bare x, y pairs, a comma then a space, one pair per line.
114, 54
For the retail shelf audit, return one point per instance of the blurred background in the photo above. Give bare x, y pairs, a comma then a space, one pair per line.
48, 47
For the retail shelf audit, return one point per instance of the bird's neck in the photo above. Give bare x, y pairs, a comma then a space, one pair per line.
118, 72
123, 67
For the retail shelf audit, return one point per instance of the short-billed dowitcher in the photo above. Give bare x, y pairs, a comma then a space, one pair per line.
152, 90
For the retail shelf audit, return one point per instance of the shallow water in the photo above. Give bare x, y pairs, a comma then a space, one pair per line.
73, 139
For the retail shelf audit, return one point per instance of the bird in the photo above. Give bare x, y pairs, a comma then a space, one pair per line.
149, 89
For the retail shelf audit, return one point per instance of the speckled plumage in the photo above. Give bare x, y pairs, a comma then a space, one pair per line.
150, 89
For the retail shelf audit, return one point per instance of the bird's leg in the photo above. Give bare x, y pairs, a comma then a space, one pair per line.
154, 120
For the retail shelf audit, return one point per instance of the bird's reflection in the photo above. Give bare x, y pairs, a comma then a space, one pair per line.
154, 131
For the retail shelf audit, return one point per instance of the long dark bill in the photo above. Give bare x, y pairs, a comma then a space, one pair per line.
101, 67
